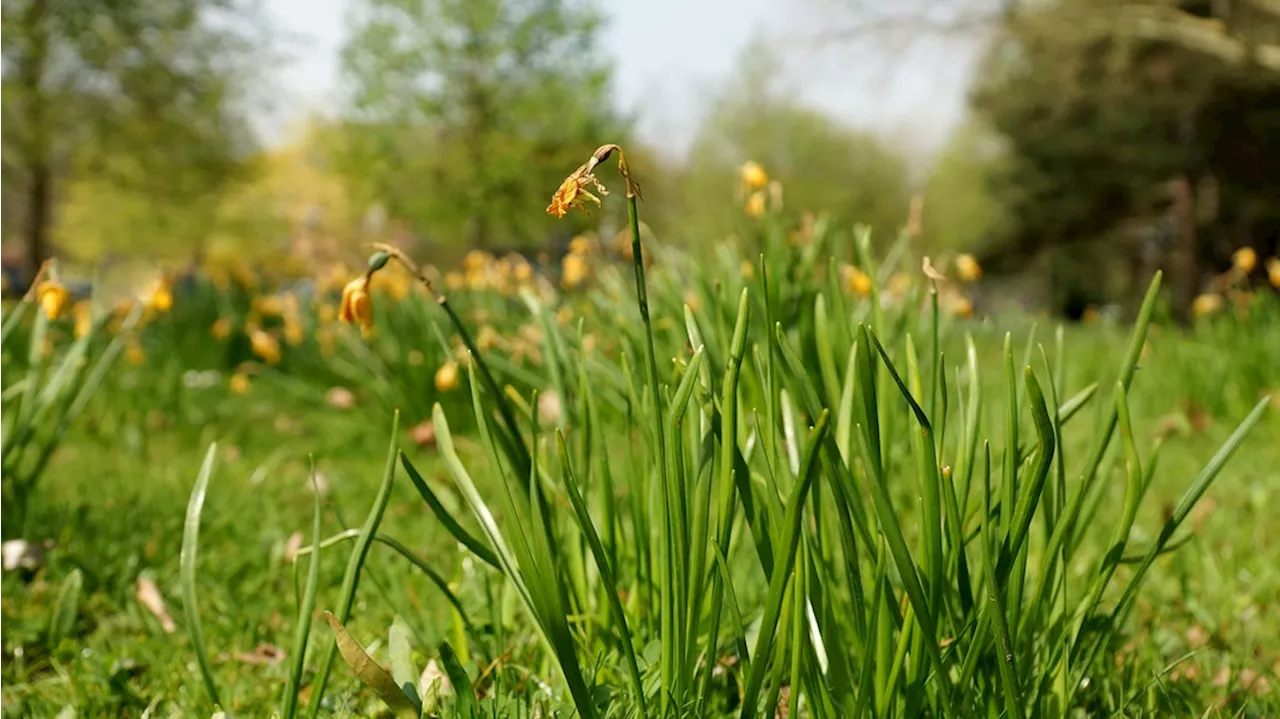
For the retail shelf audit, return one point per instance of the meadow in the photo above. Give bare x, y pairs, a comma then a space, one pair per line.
806, 473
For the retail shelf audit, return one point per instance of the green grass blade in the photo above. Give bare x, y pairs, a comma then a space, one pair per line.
606, 574
303, 631
66, 608
187, 560
464, 691
467, 539
355, 564
783, 570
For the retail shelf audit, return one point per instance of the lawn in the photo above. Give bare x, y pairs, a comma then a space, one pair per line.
1001, 532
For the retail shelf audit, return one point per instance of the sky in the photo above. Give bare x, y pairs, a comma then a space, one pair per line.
670, 54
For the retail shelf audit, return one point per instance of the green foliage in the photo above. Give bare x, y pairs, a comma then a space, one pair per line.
463, 112
960, 211
1124, 152
46, 390
120, 105
824, 167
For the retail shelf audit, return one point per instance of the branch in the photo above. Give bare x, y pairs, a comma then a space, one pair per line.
1207, 36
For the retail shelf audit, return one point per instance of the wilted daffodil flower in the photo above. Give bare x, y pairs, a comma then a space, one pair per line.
575, 191
357, 306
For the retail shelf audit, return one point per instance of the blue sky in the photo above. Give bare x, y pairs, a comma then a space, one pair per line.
671, 52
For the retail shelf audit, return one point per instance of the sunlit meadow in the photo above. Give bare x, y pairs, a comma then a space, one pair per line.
805, 472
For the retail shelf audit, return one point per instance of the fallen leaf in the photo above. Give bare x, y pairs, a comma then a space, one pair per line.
424, 434
149, 596
370, 673
292, 545
340, 397
262, 655
1197, 637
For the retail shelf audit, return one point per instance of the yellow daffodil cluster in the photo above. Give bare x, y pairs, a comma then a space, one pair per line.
753, 180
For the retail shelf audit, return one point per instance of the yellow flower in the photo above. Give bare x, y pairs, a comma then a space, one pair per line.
573, 192
268, 305
753, 176
133, 351
968, 268
580, 245
523, 272
265, 346
161, 298
293, 331
84, 318
692, 299
1206, 304
574, 271
898, 284
855, 280
357, 307
1273, 272
53, 297
755, 204
221, 329
961, 307
447, 376
239, 383
1245, 259
486, 338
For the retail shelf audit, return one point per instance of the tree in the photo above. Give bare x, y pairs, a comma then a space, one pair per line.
466, 114
822, 165
1234, 32
138, 97
1127, 154
960, 211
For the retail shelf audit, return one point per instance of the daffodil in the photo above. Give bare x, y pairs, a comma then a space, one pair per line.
160, 298
221, 329
1206, 304
265, 346
84, 318
968, 268
1245, 259
133, 352
357, 306
961, 306
52, 295
755, 204
580, 245
574, 271
1273, 271
239, 383
855, 280
447, 376
293, 331
753, 176
573, 192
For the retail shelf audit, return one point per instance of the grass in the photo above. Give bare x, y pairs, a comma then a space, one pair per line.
763, 494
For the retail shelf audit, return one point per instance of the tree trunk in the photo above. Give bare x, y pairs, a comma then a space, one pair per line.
1185, 273
39, 202
38, 151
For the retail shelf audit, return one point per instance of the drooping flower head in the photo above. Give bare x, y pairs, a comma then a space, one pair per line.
357, 306
575, 191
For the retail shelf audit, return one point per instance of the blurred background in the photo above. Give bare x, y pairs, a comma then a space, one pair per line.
1071, 146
